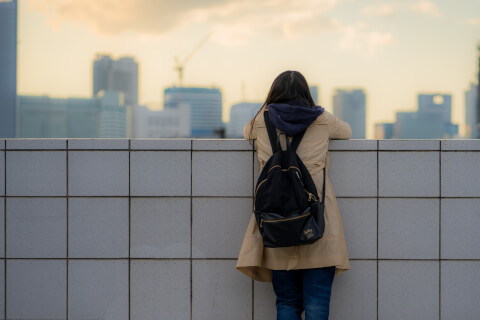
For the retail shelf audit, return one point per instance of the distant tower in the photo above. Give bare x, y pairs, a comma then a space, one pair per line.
350, 106
116, 75
8, 67
205, 108
314, 93
478, 96
471, 111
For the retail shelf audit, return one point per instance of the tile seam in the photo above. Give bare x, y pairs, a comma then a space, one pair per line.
378, 192
129, 229
68, 234
5, 230
191, 229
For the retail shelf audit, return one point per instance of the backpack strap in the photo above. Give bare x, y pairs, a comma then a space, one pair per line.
324, 191
272, 134
296, 140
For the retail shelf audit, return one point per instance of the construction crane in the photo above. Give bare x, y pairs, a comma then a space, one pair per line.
179, 66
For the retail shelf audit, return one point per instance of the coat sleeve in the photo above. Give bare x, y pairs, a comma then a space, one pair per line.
339, 129
249, 130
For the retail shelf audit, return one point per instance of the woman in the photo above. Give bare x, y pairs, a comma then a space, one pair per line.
302, 276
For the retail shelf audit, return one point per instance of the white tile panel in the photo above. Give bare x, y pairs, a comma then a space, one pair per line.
359, 219
160, 173
409, 174
98, 289
160, 228
160, 289
353, 174
41, 144
36, 173
222, 173
460, 289
98, 173
408, 228
460, 174
98, 227
219, 225
411, 144
161, 144
36, 228
36, 289
408, 290
97, 144
460, 228
220, 291
354, 292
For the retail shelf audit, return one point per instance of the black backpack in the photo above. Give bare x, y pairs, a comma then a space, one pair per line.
287, 209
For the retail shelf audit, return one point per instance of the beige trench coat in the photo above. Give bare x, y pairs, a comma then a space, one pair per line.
256, 261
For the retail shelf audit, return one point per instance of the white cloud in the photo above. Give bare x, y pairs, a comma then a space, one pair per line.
473, 21
426, 7
233, 21
382, 10
368, 43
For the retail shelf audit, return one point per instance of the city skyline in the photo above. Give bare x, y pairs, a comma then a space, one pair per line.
392, 50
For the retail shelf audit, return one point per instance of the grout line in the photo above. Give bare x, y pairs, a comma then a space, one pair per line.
229, 259
253, 204
232, 197
191, 230
440, 233
378, 215
129, 228
5, 229
68, 234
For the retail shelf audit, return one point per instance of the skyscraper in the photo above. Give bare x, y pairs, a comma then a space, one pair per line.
436, 102
471, 96
205, 108
432, 120
8, 67
350, 106
314, 93
116, 75
478, 97
240, 114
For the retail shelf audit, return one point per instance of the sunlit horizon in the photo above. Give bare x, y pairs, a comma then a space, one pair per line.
393, 50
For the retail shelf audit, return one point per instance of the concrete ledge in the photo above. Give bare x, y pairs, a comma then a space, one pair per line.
174, 212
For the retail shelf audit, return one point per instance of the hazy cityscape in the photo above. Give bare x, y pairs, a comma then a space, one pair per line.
113, 109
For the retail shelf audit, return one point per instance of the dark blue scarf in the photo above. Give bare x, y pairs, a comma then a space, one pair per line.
292, 117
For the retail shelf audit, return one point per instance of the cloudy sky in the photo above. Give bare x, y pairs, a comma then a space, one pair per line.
391, 49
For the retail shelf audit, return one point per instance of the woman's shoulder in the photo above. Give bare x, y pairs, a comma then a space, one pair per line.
324, 118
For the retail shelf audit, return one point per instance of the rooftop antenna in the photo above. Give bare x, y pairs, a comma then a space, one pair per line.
180, 65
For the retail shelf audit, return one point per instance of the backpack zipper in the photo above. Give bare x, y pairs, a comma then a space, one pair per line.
310, 195
281, 220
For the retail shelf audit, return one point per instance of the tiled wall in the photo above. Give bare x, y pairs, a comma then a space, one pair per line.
150, 229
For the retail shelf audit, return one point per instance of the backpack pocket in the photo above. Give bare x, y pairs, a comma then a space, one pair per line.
296, 229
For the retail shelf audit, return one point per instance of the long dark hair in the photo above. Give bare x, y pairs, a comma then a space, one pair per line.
288, 85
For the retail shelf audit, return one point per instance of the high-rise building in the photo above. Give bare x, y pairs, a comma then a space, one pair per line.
478, 96
116, 75
471, 96
205, 108
166, 123
383, 130
103, 116
8, 67
436, 103
240, 114
114, 115
314, 93
419, 125
432, 120
350, 106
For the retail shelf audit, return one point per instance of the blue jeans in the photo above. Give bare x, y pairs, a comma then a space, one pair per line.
304, 289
